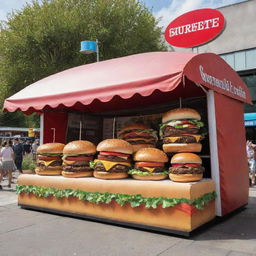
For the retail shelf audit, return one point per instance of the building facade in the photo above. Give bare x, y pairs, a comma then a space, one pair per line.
237, 46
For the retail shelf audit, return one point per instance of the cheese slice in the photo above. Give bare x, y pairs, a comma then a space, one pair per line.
46, 163
149, 169
174, 139
108, 165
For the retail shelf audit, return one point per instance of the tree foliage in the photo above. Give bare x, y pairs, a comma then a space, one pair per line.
44, 38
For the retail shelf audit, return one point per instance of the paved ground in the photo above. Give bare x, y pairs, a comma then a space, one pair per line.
24, 232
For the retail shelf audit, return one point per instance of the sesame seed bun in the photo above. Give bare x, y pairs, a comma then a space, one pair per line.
182, 158
79, 147
50, 148
115, 145
110, 175
182, 147
180, 113
77, 174
48, 172
185, 177
150, 177
150, 155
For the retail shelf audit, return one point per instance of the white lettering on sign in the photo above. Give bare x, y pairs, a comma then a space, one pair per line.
222, 84
193, 27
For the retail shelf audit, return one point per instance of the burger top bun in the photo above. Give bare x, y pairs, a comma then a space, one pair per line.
133, 126
181, 158
150, 155
50, 148
180, 113
115, 145
79, 147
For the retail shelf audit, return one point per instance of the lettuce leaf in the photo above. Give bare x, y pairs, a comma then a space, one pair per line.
51, 154
121, 199
141, 173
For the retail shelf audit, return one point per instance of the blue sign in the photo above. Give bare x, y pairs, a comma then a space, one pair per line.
250, 119
88, 47
250, 123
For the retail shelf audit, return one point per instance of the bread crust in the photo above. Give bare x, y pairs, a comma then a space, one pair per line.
115, 145
150, 155
137, 147
77, 174
185, 177
185, 158
48, 172
182, 147
79, 147
181, 113
150, 177
50, 148
110, 175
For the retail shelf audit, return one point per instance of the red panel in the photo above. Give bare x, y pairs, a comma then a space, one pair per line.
58, 121
234, 182
210, 70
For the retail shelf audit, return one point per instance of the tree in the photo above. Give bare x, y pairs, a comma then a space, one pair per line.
44, 37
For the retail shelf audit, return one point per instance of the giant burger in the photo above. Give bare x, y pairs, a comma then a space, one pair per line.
76, 159
180, 130
139, 135
186, 167
149, 165
114, 159
49, 160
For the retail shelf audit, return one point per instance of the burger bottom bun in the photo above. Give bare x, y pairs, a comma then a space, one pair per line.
110, 175
77, 174
48, 172
150, 177
182, 147
185, 177
137, 147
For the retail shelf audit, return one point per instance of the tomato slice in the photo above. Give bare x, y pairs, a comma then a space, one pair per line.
148, 164
184, 121
79, 158
113, 154
192, 165
48, 158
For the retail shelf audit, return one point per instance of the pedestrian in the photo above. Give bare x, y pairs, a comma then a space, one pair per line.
7, 159
18, 154
251, 155
26, 147
34, 147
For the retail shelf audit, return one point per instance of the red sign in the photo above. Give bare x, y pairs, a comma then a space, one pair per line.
195, 28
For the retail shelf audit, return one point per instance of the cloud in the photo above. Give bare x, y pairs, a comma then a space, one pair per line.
177, 7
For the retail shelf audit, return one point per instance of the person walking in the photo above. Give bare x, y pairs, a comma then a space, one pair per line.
34, 147
251, 155
7, 159
18, 154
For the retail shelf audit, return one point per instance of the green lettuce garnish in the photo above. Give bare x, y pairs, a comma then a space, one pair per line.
141, 173
121, 199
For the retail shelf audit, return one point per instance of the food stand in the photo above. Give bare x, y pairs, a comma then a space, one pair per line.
138, 85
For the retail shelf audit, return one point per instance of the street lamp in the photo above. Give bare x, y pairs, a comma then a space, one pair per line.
88, 47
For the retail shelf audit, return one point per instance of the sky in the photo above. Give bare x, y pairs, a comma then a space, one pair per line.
165, 10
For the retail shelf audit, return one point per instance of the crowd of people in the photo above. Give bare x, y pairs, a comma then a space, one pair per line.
11, 157
251, 156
